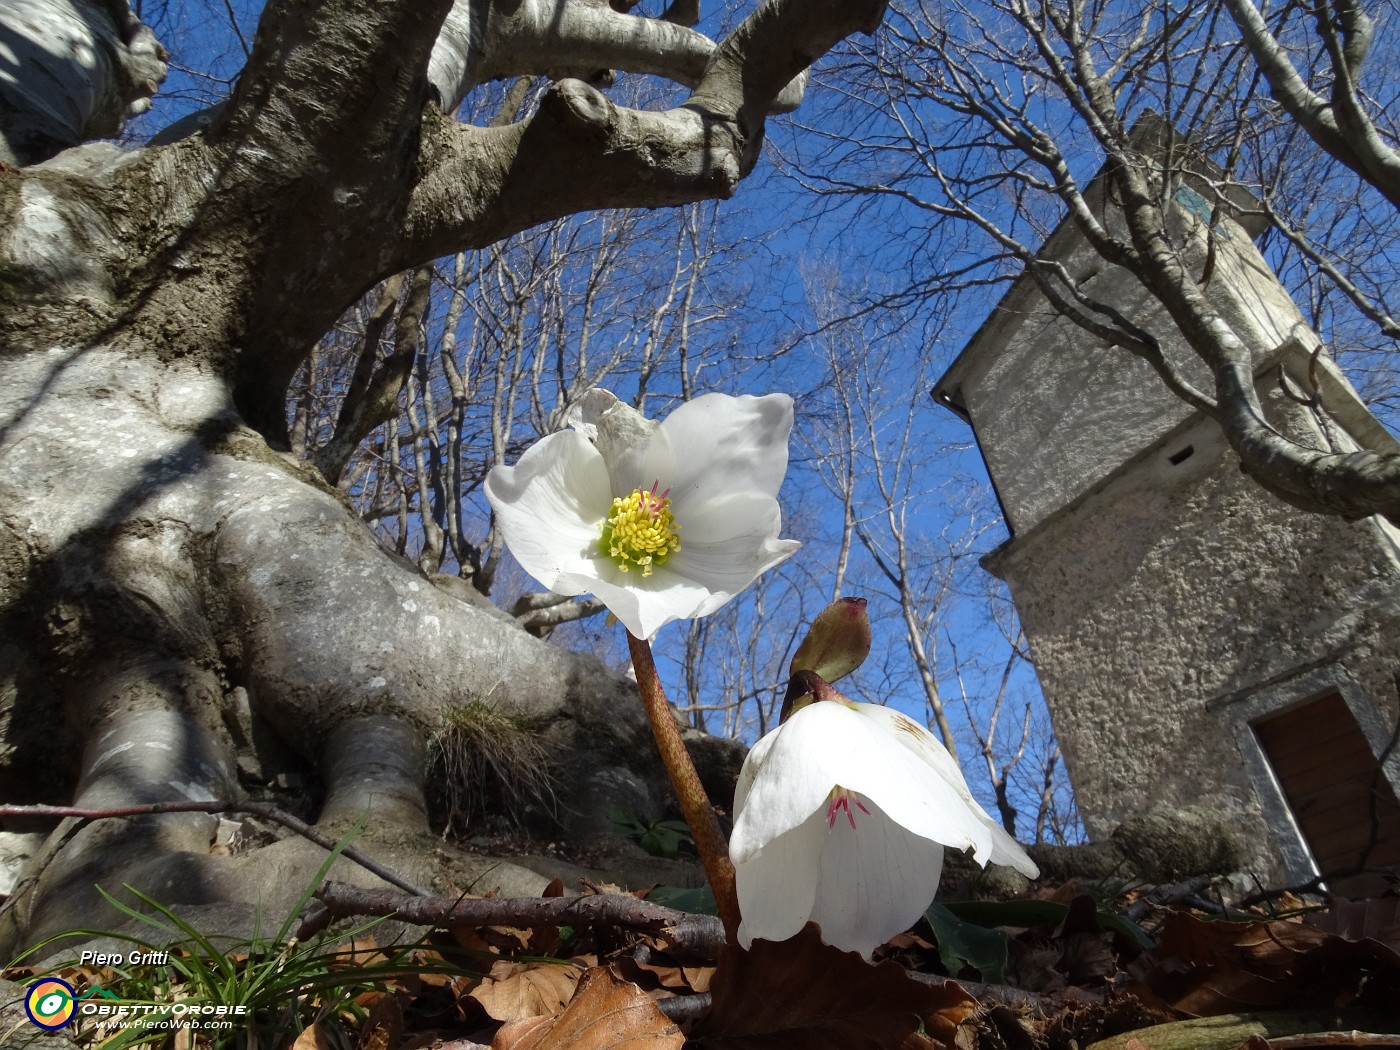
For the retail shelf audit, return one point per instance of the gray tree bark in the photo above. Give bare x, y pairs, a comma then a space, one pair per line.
71, 70
174, 585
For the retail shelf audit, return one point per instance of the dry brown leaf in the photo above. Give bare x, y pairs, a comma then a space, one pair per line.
1377, 919
901, 941
698, 977
801, 994
1087, 958
545, 940
515, 991
507, 939
606, 1014
653, 976
357, 952
435, 979
470, 939
1208, 967
313, 1037
383, 1028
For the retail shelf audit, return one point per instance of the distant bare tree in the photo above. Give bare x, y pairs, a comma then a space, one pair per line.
908, 537
996, 114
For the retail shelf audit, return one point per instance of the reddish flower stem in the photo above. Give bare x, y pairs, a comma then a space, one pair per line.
695, 804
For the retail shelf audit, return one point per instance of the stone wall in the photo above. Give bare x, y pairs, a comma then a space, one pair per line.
1175, 589
1056, 412
1168, 600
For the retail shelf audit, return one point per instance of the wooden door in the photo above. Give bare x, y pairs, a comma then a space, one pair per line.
1344, 805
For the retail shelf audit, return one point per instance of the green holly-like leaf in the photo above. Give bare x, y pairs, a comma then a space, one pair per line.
965, 944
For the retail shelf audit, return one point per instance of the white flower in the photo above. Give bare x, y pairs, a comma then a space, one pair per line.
843, 813
661, 521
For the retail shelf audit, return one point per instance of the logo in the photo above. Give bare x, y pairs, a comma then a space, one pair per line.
53, 1004
49, 1003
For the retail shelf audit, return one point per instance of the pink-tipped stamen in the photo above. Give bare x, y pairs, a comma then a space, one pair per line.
843, 803
651, 502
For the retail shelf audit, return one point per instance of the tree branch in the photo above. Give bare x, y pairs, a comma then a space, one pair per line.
373, 396
479, 185
689, 935
1349, 484
540, 621
1341, 127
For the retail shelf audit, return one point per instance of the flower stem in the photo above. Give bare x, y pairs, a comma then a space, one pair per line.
695, 804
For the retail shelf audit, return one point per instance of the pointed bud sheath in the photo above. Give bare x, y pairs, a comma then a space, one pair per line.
838, 642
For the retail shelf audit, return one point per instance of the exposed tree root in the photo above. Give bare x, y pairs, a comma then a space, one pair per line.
257, 809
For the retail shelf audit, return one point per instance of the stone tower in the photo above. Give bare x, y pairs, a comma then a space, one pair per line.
1198, 641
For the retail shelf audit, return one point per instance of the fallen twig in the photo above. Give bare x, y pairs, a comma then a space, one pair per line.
687, 935
984, 993
1159, 895
682, 1008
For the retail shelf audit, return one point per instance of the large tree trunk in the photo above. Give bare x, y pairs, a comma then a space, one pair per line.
175, 590
175, 593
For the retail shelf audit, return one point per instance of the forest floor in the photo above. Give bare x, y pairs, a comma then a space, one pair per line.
1077, 966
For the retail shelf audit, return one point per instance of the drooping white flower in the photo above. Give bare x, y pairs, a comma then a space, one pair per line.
842, 816
661, 521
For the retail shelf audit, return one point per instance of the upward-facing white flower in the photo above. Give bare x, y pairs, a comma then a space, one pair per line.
842, 815
661, 521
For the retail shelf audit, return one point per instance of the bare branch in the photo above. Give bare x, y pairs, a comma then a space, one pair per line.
691, 935
619, 156
1340, 125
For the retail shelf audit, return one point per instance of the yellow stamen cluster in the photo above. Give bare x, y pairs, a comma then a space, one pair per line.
640, 531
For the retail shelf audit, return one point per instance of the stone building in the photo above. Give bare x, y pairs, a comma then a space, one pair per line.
1198, 641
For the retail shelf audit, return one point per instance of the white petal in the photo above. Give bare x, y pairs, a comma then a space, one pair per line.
785, 791
730, 537
920, 740
549, 506
724, 444
620, 433
723, 458
655, 466
861, 885
1002, 848
828, 744
645, 604
777, 887
726, 545
753, 762
875, 880
730, 518
695, 581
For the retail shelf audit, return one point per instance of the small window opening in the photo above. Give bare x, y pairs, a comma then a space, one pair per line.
1178, 458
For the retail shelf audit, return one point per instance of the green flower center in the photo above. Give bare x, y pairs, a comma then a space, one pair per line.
640, 531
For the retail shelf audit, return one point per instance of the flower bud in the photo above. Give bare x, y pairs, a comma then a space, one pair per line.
838, 642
